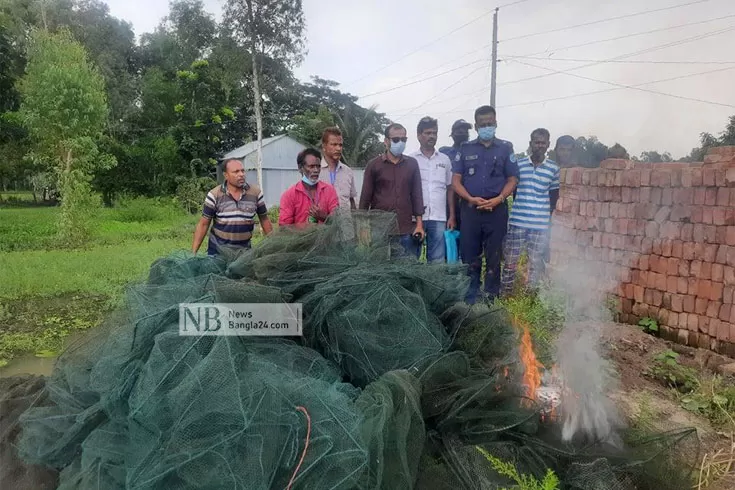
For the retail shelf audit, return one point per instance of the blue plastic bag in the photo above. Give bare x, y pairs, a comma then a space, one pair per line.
450, 239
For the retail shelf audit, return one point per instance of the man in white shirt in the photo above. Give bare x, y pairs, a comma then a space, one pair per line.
436, 184
336, 173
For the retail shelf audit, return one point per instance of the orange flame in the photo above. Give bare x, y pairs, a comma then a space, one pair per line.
532, 373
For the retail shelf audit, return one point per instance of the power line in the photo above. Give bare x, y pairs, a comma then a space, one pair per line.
608, 19
444, 36
635, 87
447, 88
596, 92
422, 80
628, 55
572, 46
644, 62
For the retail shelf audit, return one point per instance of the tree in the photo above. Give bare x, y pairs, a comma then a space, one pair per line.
618, 151
655, 157
308, 127
268, 28
64, 108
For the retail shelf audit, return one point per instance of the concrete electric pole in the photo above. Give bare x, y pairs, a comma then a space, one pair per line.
494, 73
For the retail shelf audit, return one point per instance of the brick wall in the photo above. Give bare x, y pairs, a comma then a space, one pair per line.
661, 240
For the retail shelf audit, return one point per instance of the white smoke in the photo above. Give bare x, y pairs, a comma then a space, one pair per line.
587, 377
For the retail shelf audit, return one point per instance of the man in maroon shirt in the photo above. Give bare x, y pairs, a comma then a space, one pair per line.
392, 182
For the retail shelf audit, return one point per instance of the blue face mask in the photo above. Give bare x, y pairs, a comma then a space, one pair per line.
397, 148
486, 133
306, 180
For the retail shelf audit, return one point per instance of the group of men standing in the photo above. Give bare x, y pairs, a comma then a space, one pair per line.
465, 186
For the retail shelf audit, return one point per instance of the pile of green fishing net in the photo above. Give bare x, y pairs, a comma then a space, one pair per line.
396, 383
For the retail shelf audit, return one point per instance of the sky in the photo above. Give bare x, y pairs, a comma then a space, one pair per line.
413, 58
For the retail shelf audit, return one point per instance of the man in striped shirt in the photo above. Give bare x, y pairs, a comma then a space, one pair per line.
231, 207
530, 217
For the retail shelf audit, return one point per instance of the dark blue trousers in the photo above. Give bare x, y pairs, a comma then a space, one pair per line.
482, 233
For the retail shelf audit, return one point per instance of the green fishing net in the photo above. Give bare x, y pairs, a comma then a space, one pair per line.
395, 384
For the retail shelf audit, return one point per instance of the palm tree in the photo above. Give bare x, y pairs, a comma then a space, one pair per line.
361, 130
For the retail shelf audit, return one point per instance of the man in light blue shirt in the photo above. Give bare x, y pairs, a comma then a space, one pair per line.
530, 217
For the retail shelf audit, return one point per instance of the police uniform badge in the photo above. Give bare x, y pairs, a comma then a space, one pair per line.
471, 171
513, 158
457, 157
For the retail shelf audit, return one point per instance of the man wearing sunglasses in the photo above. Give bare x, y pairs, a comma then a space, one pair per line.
392, 182
436, 179
485, 173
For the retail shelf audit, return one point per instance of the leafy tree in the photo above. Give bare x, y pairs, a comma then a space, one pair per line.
308, 127
655, 157
64, 109
618, 151
267, 28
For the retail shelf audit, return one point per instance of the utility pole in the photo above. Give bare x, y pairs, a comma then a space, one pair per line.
494, 73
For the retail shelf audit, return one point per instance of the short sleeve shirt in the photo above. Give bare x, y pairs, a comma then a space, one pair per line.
436, 176
531, 206
485, 170
234, 220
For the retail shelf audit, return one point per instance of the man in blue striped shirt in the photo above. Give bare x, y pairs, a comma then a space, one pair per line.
530, 217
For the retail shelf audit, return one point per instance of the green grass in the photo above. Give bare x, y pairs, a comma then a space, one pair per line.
48, 292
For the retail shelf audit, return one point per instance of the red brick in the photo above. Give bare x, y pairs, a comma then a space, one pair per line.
703, 327
666, 247
730, 257
723, 332
697, 179
700, 196
706, 271
689, 303
656, 195
672, 319
700, 306
730, 236
712, 309
718, 272
661, 178
710, 252
697, 214
672, 267
695, 268
732, 314
647, 245
721, 235
638, 292
719, 215
729, 275
710, 234
721, 257
693, 323
672, 284
656, 247
732, 197
714, 326
687, 232
677, 248
730, 216
683, 268
724, 313
708, 177
716, 292
686, 178
707, 215
630, 291
727, 295
676, 177
645, 177
723, 196
710, 196
683, 285
704, 288
661, 282
667, 196
688, 251
643, 262
648, 296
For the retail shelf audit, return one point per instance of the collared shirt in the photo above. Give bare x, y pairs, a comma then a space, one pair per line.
485, 170
436, 176
343, 180
234, 220
531, 206
394, 187
296, 202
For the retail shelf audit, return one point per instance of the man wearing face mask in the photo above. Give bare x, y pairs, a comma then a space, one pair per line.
310, 200
460, 134
392, 182
485, 173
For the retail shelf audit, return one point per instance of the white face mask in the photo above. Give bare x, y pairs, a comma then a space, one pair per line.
397, 148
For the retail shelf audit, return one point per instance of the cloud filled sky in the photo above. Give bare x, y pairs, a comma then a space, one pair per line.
375, 46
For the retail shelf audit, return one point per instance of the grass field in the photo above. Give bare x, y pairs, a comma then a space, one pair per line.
48, 292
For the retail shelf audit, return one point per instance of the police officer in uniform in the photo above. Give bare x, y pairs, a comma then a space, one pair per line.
485, 174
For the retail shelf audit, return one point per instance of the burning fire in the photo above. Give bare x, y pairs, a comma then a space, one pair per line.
532, 376
531, 365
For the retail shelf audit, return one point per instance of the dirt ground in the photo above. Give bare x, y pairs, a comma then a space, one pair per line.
632, 351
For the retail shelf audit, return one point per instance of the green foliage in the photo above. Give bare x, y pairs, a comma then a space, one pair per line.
714, 398
667, 369
308, 127
649, 325
273, 214
144, 210
191, 192
523, 482
544, 315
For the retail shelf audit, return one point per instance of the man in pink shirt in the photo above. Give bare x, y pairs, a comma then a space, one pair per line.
311, 200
